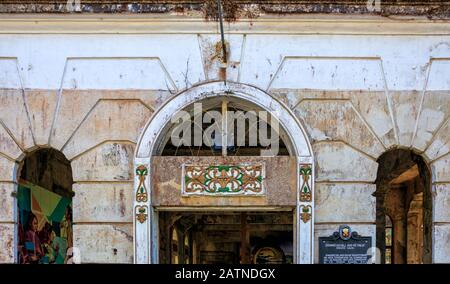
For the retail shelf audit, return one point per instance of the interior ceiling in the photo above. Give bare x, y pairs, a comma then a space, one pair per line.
233, 219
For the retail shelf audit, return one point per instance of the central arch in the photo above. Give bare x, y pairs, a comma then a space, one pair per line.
145, 218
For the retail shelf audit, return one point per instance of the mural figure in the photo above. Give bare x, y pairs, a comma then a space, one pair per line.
48, 231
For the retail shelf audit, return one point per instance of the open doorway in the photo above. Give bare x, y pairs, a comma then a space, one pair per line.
404, 208
221, 149
226, 237
44, 206
222, 237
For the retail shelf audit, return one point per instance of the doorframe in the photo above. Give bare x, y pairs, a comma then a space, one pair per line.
145, 220
229, 209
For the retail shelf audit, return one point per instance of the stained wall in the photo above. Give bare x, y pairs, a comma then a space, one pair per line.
89, 95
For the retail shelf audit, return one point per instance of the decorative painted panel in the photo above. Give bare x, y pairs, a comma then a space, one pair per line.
305, 179
141, 213
305, 210
223, 179
305, 214
141, 193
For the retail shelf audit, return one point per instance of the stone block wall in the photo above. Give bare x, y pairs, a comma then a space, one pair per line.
90, 95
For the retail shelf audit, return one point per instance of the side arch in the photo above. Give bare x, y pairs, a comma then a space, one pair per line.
403, 179
43, 206
145, 220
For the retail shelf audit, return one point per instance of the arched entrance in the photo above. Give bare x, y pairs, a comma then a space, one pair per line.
44, 208
404, 208
154, 194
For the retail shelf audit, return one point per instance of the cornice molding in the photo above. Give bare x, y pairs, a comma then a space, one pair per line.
173, 24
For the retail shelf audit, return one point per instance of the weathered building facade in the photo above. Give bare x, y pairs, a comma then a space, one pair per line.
362, 99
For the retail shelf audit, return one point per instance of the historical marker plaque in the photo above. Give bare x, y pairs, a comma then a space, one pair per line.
344, 247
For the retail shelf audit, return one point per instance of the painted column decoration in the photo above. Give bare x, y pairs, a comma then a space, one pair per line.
305, 177
142, 214
305, 210
141, 193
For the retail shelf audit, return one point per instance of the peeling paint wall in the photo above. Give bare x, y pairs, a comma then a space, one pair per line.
90, 95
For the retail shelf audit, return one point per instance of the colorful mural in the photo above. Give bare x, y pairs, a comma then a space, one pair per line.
45, 225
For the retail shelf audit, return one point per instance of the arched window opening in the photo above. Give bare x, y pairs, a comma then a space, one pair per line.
217, 127
44, 202
404, 208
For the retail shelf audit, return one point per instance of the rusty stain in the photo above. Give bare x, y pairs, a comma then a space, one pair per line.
222, 73
230, 8
218, 52
213, 60
122, 200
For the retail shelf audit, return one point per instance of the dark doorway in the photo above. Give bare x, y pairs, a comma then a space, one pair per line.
404, 208
44, 201
226, 237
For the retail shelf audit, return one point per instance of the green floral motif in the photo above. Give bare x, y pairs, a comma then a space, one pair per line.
305, 189
305, 170
223, 179
305, 215
141, 193
141, 170
141, 213
305, 174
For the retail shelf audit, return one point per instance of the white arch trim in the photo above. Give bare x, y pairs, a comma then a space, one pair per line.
146, 229
245, 92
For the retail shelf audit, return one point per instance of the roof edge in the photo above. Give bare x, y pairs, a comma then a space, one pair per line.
232, 9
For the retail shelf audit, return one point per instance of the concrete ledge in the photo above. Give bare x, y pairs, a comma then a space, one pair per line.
181, 24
